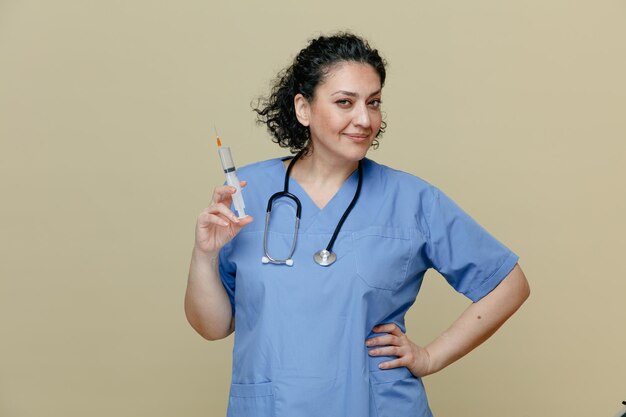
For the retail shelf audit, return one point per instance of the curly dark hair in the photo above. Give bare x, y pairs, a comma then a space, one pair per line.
308, 69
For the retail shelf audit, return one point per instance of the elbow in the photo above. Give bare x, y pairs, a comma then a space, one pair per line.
526, 291
210, 333
218, 334
523, 287
523, 293
211, 337
512, 291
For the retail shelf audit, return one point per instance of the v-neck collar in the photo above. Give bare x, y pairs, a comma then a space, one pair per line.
322, 220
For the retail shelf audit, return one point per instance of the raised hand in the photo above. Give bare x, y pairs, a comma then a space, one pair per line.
217, 224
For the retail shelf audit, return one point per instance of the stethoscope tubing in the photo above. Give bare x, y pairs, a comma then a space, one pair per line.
326, 256
357, 193
268, 212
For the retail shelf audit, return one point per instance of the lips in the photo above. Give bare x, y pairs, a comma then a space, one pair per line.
357, 137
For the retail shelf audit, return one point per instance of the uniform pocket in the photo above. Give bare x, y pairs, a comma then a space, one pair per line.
382, 256
396, 392
251, 400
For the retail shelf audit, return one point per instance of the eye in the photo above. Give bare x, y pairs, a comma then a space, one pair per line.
375, 103
344, 102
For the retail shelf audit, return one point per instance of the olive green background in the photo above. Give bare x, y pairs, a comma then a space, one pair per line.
515, 109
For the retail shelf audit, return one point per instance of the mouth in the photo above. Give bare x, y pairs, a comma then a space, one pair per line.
357, 137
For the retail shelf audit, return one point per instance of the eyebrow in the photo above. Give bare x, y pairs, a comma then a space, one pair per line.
352, 94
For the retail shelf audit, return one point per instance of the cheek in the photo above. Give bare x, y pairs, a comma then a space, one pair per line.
376, 119
329, 122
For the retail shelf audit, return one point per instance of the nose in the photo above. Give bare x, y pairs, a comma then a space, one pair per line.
361, 116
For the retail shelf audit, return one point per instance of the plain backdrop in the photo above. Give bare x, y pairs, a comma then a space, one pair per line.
515, 109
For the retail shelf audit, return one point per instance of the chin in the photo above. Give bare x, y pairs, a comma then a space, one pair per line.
357, 153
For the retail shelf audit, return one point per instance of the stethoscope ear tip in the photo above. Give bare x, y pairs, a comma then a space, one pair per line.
267, 260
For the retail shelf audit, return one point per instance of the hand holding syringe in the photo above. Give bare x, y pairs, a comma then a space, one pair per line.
217, 224
231, 177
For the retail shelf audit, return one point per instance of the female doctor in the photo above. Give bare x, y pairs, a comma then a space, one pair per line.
318, 313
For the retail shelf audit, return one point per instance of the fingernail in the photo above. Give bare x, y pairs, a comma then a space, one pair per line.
224, 223
235, 219
382, 366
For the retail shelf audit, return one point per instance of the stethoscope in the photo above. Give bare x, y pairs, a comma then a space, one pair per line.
324, 257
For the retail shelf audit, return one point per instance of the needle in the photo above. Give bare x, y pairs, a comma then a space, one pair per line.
219, 142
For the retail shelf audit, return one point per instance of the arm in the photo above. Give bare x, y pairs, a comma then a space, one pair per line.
477, 323
207, 306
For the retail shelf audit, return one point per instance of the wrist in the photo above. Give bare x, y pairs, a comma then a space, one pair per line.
200, 253
435, 364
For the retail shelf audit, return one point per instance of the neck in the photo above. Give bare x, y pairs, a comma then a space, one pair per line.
323, 171
321, 178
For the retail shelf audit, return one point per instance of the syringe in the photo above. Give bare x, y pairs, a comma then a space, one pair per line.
231, 177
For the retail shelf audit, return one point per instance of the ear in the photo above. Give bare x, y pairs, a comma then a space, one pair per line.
302, 107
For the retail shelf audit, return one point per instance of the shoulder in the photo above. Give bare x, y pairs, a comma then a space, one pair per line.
264, 178
260, 166
396, 179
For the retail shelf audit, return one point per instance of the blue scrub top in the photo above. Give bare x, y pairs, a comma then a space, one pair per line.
300, 333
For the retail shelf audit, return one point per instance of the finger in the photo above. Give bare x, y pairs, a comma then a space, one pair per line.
244, 221
223, 210
397, 331
386, 351
387, 339
206, 218
222, 193
243, 183
396, 363
388, 328
211, 215
383, 328
214, 218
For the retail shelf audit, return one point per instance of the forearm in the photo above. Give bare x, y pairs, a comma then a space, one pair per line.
479, 321
207, 305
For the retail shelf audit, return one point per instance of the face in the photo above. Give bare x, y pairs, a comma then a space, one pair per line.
344, 115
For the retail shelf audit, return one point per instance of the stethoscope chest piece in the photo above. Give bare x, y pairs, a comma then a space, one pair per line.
324, 257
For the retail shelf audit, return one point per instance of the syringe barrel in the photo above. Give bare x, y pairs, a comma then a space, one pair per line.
227, 159
231, 179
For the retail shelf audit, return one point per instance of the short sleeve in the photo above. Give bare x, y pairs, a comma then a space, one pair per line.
469, 258
227, 273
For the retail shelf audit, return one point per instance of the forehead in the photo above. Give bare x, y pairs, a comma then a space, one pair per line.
350, 76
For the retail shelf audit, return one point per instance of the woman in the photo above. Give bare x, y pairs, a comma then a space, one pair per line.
320, 339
